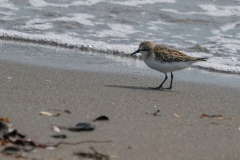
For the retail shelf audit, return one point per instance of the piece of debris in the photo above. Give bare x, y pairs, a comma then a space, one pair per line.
82, 127
62, 110
215, 116
56, 129
101, 118
155, 113
54, 115
95, 155
10, 136
211, 116
3, 129
13, 152
21, 140
79, 127
214, 123
59, 136
4, 119
176, 115
46, 113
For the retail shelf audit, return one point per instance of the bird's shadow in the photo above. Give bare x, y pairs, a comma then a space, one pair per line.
140, 88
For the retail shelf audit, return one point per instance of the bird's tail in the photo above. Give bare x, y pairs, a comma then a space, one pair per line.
202, 59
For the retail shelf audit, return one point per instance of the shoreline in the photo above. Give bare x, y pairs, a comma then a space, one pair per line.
74, 59
125, 99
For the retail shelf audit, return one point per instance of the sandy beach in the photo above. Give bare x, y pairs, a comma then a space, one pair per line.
177, 133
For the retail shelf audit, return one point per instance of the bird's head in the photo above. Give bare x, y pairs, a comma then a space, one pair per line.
144, 48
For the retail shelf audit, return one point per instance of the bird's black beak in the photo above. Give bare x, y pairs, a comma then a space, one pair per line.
137, 51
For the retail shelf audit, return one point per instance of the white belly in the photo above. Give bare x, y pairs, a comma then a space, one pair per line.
166, 67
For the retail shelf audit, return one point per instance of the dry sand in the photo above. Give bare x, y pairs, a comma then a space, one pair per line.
125, 99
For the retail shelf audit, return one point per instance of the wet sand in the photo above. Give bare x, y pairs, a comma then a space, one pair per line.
178, 133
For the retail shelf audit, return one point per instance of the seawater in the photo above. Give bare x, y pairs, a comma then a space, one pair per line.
203, 28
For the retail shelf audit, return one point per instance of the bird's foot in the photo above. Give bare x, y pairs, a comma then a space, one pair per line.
156, 88
168, 88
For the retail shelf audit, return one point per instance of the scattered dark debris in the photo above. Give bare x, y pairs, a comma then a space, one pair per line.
59, 136
11, 137
155, 113
101, 118
216, 116
95, 155
20, 140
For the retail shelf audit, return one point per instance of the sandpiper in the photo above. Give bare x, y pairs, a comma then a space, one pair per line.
164, 59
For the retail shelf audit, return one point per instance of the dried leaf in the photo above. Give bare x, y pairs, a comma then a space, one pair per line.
58, 114
216, 116
67, 111
4, 119
101, 118
211, 116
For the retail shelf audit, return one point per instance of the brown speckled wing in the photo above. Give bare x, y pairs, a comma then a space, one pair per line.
165, 54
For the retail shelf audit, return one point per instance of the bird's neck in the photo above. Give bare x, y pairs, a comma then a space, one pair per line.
147, 56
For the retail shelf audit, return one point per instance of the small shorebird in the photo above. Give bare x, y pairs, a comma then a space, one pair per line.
164, 59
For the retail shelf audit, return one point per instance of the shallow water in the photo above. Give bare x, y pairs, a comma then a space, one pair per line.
204, 28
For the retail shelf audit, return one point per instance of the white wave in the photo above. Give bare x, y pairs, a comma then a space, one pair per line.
210, 10
141, 2
8, 5
116, 30
43, 3
66, 40
229, 26
220, 11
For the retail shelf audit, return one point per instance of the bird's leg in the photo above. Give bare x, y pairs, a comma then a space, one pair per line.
160, 87
170, 87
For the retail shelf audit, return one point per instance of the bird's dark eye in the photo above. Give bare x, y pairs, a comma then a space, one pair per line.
144, 49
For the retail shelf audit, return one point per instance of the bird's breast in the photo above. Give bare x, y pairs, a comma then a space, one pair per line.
166, 67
